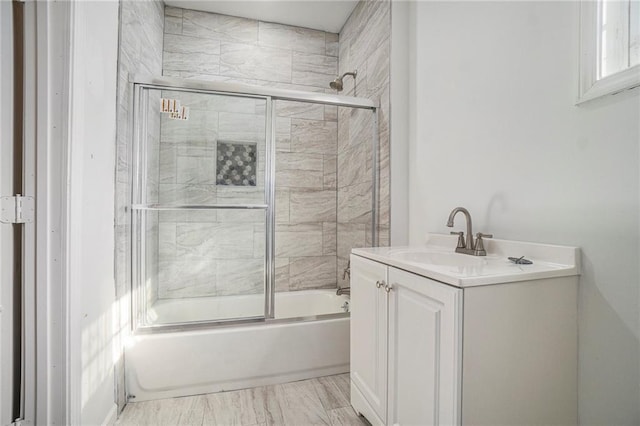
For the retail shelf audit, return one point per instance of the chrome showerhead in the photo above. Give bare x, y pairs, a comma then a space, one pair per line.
337, 83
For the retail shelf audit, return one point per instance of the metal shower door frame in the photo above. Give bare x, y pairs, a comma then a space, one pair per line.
139, 205
271, 96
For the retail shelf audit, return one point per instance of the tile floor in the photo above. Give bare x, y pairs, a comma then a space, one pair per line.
321, 401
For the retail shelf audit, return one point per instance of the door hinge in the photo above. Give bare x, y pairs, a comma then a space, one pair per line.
17, 209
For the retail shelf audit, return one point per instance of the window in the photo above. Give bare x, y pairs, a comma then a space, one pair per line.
610, 47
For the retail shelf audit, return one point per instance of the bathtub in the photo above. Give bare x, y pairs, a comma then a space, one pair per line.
181, 363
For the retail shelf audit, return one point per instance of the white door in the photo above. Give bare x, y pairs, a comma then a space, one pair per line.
425, 347
369, 335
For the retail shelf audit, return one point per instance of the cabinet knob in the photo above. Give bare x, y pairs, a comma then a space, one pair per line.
380, 284
388, 288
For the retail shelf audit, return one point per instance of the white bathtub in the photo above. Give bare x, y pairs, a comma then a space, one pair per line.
163, 365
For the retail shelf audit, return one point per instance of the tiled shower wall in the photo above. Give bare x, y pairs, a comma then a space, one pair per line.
323, 162
306, 198
364, 46
213, 252
140, 52
216, 47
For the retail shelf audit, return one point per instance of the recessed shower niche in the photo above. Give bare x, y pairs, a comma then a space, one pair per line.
236, 163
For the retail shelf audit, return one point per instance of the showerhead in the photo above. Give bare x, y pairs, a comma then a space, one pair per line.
337, 83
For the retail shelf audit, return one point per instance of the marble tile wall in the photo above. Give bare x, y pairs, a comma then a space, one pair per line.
209, 46
306, 198
213, 252
221, 252
363, 46
140, 52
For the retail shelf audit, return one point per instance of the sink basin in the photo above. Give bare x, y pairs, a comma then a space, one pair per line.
438, 258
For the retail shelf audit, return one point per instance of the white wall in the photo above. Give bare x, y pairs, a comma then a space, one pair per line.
495, 130
91, 215
400, 77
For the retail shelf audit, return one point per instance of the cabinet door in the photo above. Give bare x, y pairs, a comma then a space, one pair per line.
369, 336
425, 350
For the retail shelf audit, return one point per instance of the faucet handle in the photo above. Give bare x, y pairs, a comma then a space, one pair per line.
479, 247
461, 243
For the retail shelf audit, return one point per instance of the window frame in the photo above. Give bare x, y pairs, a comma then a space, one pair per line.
590, 87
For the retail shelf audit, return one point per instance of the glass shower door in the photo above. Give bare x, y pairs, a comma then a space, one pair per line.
199, 207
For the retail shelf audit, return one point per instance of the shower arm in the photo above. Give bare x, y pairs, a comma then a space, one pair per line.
352, 74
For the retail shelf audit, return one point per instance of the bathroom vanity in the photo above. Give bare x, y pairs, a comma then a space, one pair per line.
439, 337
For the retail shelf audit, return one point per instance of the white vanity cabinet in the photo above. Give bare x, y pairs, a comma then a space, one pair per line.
424, 335
369, 339
405, 342
428, 353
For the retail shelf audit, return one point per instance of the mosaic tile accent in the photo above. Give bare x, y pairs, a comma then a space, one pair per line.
236, 163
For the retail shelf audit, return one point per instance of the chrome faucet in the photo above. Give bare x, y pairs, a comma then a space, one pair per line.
475, 248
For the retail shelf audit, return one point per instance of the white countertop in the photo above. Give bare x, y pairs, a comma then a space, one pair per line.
437, 260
